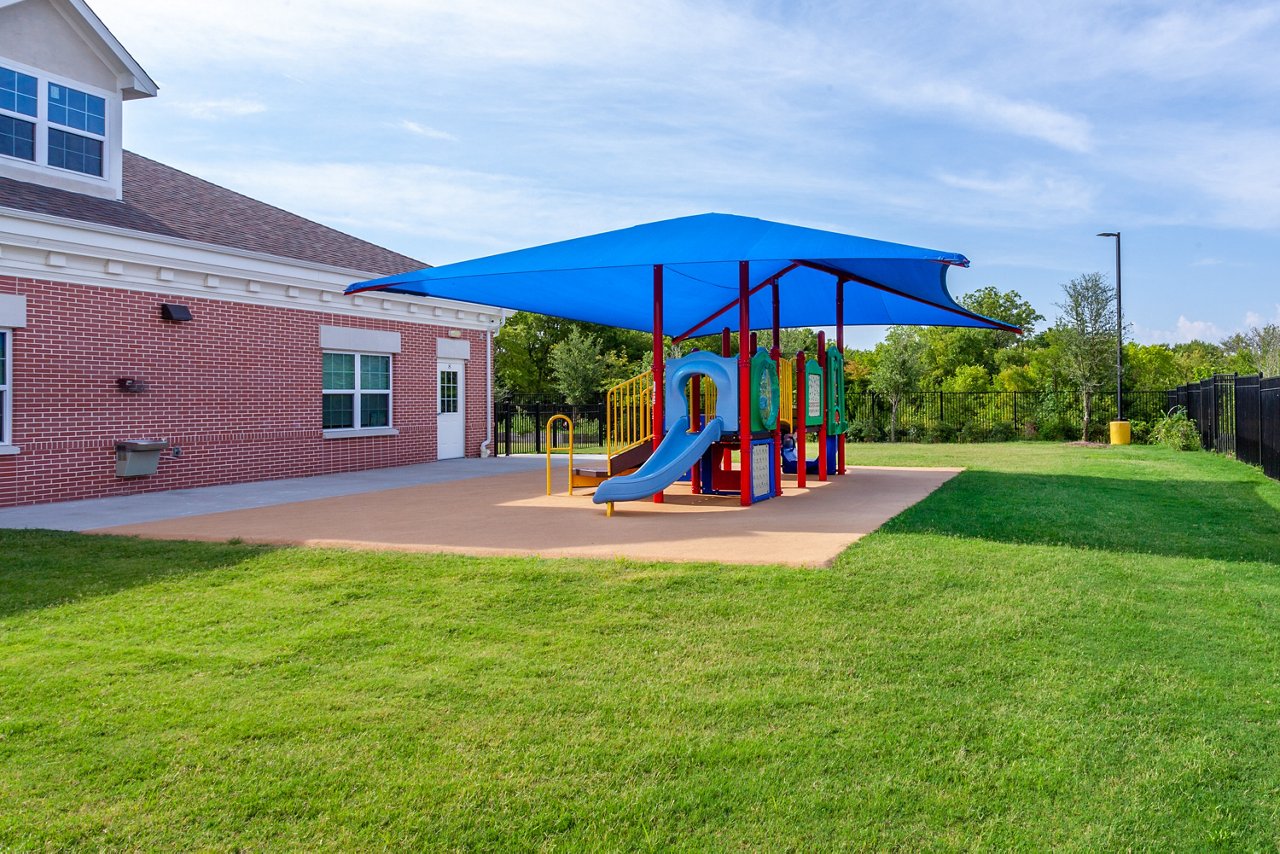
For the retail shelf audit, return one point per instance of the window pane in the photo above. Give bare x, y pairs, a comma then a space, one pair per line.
76, 109
375, 410
4, 367
339, 370
17, 92
339, 411
375, 372
448, 391
17, 138
77, 153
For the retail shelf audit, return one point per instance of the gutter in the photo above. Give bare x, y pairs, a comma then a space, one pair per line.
486, 447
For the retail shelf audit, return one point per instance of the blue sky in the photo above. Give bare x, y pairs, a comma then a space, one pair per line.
1009, 132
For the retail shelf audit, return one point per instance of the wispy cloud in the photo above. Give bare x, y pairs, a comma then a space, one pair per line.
423, 131
220, 108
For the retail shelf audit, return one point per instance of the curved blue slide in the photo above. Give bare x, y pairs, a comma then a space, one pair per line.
677, 453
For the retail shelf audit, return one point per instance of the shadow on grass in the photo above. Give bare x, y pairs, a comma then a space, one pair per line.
1221, 520
40, 569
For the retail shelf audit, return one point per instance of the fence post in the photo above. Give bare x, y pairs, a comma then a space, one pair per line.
537, 427
510, 426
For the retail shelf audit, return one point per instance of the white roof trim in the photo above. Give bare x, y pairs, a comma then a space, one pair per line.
139, 84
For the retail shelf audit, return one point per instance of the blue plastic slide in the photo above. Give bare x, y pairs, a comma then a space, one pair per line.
679, 450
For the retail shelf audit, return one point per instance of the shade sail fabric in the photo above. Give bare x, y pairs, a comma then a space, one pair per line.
608, 278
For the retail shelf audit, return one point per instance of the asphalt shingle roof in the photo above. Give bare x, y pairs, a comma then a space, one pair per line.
159, 199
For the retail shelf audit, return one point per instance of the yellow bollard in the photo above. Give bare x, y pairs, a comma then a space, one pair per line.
1120, 434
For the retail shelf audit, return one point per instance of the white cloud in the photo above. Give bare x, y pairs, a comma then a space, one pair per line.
422, 130
220, 108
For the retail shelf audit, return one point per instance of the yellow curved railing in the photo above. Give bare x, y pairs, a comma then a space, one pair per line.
628, 414
553, 419
787, 390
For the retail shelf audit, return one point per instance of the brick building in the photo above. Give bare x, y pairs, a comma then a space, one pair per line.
139, 302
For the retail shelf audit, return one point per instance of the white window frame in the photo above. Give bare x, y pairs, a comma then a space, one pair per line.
356, 392
42, 123
6, 396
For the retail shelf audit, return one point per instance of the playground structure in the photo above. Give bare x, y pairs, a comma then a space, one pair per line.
680, 274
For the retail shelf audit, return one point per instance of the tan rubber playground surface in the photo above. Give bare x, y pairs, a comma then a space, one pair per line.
510, 514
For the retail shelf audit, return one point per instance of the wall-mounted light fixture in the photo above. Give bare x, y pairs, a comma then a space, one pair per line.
175, 312
131, 385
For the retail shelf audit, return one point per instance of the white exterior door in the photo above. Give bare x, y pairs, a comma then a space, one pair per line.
451, 409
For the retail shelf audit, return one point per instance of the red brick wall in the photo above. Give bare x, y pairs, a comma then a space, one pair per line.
238, 389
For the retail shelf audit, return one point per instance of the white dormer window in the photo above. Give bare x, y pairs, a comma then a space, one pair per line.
18, 98
81, 111
67, 130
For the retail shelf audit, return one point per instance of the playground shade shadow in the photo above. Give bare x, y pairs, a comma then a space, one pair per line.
1219, 520
42, 569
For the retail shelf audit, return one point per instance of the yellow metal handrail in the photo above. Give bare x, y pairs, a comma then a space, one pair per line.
628, 410
551, 421
787, 390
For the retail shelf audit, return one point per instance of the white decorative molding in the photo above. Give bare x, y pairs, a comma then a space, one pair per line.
453, 348
13, 311
359, 340
115, 268
292, 292
32, 245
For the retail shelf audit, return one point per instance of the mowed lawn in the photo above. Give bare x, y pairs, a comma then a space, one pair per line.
1063, 647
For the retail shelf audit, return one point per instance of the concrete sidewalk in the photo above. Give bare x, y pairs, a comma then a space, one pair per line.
93, 513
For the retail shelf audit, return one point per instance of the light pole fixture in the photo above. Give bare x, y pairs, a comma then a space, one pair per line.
1119, 331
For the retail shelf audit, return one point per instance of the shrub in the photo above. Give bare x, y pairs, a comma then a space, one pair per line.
1003, 432
972, 431
1176, 431
1140, 431
863, 431
940, 432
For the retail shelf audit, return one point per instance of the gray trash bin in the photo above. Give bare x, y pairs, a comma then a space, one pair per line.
139, 457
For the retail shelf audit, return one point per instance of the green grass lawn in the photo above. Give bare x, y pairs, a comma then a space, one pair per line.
1062, 647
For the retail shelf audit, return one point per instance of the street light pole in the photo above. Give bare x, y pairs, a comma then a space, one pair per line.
1119, 331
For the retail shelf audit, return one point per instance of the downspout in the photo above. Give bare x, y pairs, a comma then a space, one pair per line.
486, 447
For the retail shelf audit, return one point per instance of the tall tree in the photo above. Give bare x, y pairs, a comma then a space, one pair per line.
582, 369
522, 352
1087, 333
1256, 350
898, 369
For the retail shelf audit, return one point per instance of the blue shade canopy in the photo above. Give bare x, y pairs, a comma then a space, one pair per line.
608, 278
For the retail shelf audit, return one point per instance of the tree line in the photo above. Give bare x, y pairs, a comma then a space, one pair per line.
548, 357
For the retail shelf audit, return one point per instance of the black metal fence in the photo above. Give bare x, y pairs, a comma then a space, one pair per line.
947, 416
520, 426
1235, 415
924, 416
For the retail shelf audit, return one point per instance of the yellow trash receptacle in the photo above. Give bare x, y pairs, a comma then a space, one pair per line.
1120, 433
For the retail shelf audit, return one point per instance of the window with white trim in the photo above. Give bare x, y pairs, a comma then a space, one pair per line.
357, 391
6, 372
67, 129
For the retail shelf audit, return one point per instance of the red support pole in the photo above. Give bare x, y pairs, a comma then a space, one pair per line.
776, 353
726, 343
822, 430
695, 420
802, 410
744, 382
659, 372
840, 346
